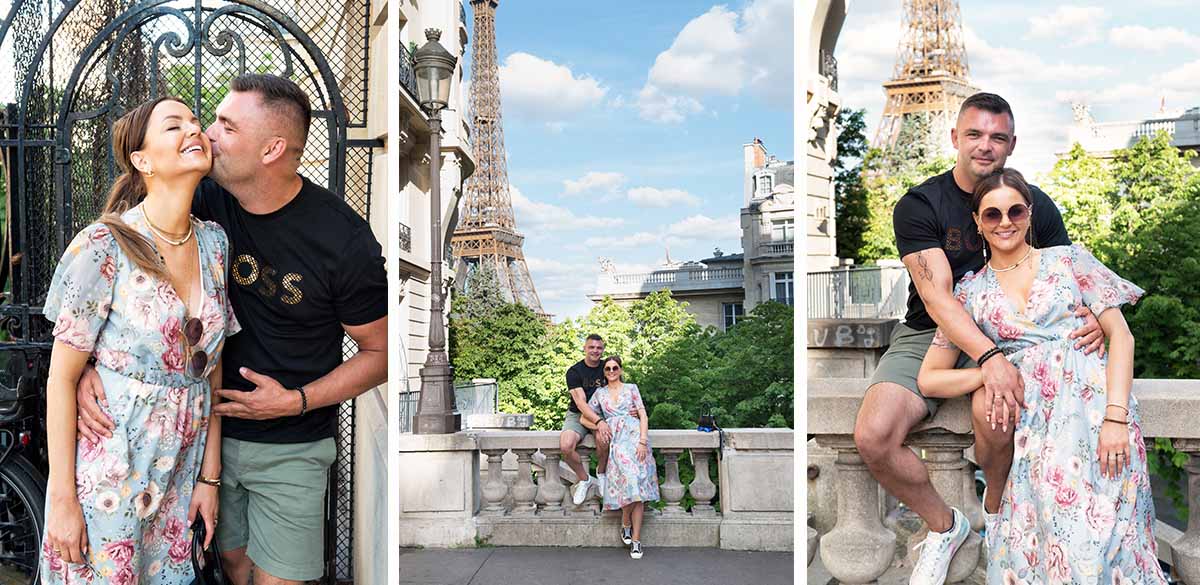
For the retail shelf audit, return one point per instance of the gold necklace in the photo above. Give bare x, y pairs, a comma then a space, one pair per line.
162, 234
1014, 266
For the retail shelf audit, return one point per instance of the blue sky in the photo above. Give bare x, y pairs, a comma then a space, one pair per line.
624, 124
1124, 59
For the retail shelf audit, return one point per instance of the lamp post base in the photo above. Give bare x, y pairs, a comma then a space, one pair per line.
435, 411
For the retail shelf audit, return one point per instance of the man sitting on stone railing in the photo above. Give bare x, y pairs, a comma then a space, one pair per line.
937, 240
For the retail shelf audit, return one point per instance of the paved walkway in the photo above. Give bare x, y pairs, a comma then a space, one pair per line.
592, 566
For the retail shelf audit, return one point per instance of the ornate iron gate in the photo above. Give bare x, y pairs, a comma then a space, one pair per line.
80, 64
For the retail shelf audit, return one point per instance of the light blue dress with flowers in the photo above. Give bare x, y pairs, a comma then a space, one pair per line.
629, 480
135, 487
1060, 520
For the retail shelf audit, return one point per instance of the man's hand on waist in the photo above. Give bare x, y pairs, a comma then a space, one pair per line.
268, 400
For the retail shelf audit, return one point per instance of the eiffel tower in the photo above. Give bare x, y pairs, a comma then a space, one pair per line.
931, 78
486, 230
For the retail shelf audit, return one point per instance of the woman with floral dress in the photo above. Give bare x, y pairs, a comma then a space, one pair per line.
142, 291
632, 473
1077, 506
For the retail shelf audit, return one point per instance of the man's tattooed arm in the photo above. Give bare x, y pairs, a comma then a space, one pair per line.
925, 271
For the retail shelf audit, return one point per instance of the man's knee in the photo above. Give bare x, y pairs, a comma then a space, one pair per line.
888, 412
567, 441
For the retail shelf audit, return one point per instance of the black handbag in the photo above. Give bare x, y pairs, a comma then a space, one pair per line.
205, 563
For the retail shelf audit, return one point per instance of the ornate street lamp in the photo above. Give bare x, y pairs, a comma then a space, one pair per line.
433, 66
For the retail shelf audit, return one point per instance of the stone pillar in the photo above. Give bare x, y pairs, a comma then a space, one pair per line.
943, 454
550, 492
439, 492
972, 506
494, 489
812, 544
858, 549
702, 488
1185, 552
671, 489
524, 490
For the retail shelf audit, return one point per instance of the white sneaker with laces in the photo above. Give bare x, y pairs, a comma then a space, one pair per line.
581, 489
991, 522
635, 551
936, 551
601, 483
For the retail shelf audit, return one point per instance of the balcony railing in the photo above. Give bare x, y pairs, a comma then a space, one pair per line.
405, 238
408, 77
844, 499
776, 248
858, 293
408, 409
829, 69
514, 490
678, 276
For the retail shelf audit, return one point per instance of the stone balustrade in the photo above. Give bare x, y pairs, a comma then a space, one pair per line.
511, 488
846, 506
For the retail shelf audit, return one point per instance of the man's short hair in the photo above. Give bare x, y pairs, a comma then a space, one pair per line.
594, 337
282, 96
988, 102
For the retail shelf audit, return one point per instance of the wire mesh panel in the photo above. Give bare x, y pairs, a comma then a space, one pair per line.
81, 64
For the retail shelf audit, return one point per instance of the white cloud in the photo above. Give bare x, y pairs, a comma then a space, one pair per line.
1153, 39
722, 52
543, 217
651, 197
536, 89
704, 228
1080, 25
594, 181
622, 242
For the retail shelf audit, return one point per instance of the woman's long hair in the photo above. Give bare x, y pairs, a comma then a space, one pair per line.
129, 135
1004, 177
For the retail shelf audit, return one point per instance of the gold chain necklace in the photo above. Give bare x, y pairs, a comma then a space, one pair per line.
1014, 266
162, 234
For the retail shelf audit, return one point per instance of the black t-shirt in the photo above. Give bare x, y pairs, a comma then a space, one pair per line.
584, 376
296, 275
937, 214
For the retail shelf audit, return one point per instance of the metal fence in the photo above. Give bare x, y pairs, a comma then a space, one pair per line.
408, 409
858, 293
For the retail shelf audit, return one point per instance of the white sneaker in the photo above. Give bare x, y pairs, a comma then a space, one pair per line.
601, 483
991, 522
936, 551
627, 535
635, 551
581, 489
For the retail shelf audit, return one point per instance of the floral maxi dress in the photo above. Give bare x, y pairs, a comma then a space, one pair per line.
629, 480
1060, 520
135, 487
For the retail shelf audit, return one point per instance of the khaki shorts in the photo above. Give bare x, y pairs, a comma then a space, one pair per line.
273, 504
571, 423
902, 361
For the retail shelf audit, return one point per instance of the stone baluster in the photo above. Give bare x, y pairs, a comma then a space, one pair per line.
702, 488
494, 489
671, 489
858, 549
523, 489
972, 506
1185, 552
551, 490
943, 454
592, 503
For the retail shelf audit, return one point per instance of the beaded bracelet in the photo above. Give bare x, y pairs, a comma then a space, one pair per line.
987, 355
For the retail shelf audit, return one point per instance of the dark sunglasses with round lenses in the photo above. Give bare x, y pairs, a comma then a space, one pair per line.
193, 330
992, 216
612, 368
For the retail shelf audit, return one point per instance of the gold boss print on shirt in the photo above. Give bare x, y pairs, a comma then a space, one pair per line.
247, 271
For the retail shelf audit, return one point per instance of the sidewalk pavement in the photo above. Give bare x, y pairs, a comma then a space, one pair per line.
593, 566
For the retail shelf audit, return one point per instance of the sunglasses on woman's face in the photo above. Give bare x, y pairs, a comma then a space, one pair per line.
612, 368
991, 217
193, 330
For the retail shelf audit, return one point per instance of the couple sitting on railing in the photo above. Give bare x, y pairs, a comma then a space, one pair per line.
1056, 429
603, 404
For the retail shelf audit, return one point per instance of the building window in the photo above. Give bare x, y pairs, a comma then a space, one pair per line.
733, 313
781, 285
763, 184
783, 230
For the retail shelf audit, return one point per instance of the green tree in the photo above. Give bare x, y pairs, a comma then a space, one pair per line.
851, 208
482, 295
1084, 187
